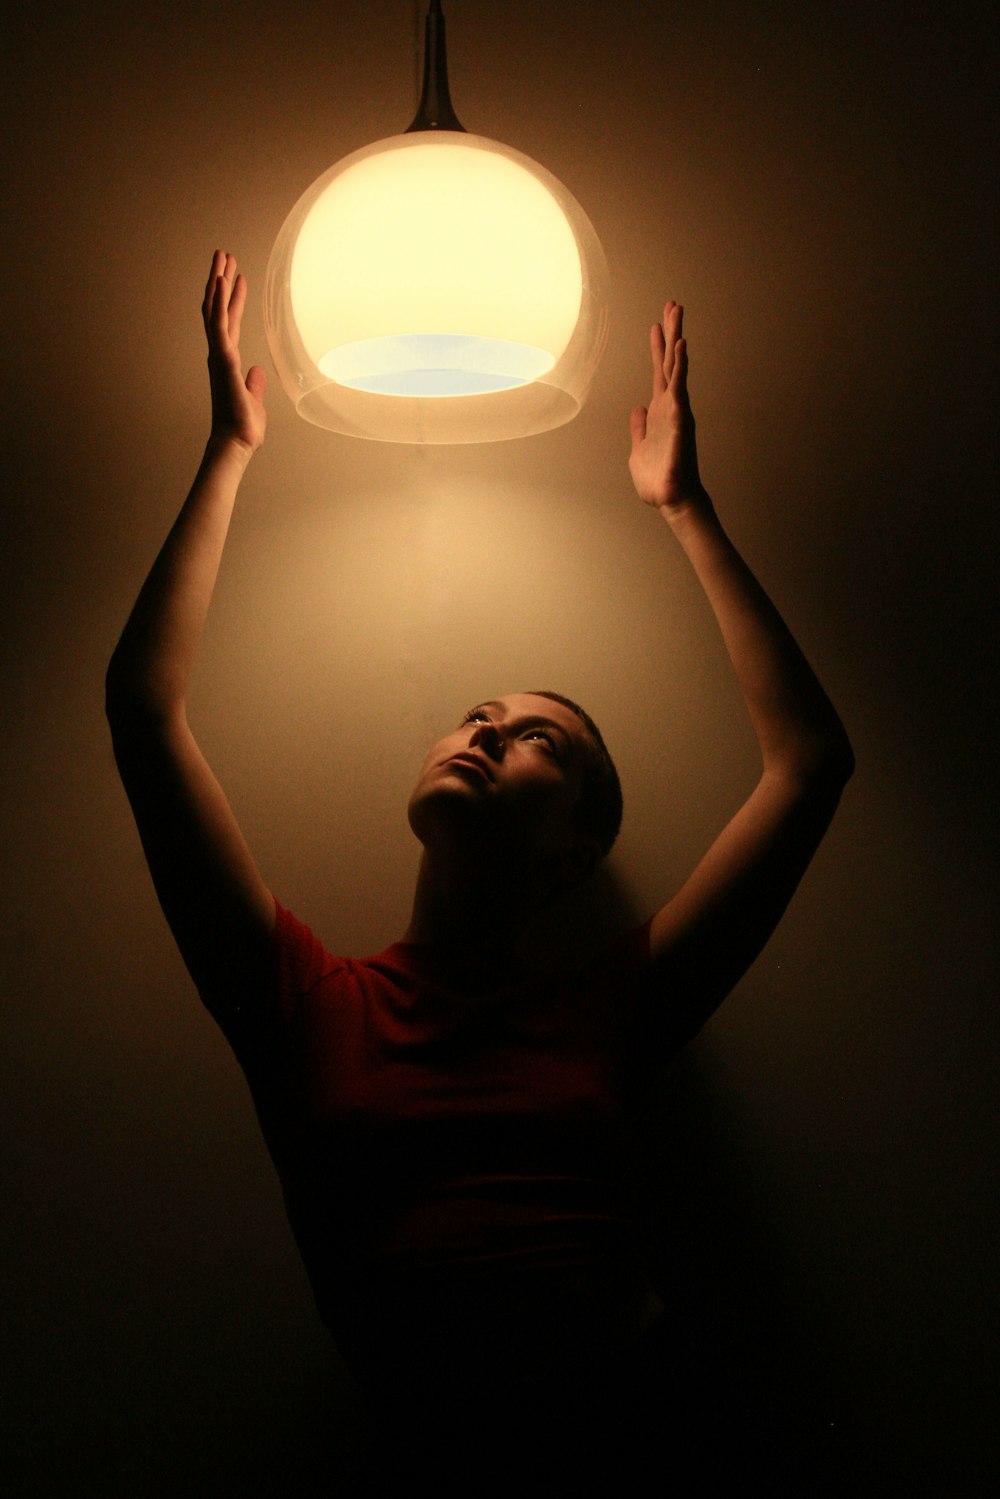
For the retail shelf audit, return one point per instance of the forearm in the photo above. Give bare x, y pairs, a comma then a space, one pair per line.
152, 663
798, 730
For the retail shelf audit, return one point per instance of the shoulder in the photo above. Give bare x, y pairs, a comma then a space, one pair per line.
301, 961
293, 964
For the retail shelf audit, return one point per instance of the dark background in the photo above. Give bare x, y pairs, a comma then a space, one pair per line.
814, 182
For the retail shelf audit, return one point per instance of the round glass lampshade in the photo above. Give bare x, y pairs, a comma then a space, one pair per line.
437, 287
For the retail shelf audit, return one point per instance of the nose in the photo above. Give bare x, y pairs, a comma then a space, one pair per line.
489, 737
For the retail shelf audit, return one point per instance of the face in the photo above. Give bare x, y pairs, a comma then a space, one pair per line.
508, 779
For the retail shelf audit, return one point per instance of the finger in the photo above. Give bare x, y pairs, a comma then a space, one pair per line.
672, 315
218, 264
657, 348
679, 378
237, 302
221, 297
217, 317
637, 425
227, 276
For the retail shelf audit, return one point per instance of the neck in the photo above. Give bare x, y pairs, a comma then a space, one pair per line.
470, 914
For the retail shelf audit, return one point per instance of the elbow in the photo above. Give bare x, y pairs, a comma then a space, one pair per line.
114, 690
819, 766
833, 769
839, 757
122, 697
846, 764
112, 687
829, 758
133, 702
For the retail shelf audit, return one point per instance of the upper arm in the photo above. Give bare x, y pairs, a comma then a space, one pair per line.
705, 938
219, 910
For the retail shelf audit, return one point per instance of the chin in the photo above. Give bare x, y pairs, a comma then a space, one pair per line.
444, 812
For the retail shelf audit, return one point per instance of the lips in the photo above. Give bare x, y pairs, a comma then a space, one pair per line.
473, 763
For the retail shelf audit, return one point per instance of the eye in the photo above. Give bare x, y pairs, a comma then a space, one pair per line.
476, 715
544, 735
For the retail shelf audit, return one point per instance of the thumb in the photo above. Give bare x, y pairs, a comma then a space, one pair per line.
256, 381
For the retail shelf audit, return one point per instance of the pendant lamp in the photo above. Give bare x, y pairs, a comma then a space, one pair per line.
436, 287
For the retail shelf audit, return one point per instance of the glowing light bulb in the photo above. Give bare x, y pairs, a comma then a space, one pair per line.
437, 287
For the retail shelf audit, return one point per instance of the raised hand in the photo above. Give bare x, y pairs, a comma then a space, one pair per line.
664, 459
238, 413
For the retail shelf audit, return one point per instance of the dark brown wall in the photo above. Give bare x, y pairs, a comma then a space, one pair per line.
812, 181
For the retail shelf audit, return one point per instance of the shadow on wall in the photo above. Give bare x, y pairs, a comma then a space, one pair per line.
758, 1390
729, 1366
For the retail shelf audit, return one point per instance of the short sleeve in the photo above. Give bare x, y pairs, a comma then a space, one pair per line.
301, 961
293, 963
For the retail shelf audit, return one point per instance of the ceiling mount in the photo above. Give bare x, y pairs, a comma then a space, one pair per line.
435, 110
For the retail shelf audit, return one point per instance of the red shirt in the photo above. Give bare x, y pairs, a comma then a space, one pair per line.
440, 1134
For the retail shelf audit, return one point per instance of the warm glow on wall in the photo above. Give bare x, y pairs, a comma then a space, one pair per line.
437, 287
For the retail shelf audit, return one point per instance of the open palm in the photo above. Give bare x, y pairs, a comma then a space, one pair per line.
237, 404
664, 458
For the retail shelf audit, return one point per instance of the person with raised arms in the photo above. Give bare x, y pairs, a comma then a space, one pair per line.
448, 1123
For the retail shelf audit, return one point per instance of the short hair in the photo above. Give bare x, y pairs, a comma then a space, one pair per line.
599, 810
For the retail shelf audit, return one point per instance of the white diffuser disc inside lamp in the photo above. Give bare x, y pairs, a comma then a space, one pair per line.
436, 286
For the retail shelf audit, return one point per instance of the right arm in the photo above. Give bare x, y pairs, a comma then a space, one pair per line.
214, 898
708, 933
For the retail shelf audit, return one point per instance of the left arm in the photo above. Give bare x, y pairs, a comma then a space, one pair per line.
709, 933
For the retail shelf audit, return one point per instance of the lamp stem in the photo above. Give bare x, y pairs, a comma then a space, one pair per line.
435, 111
